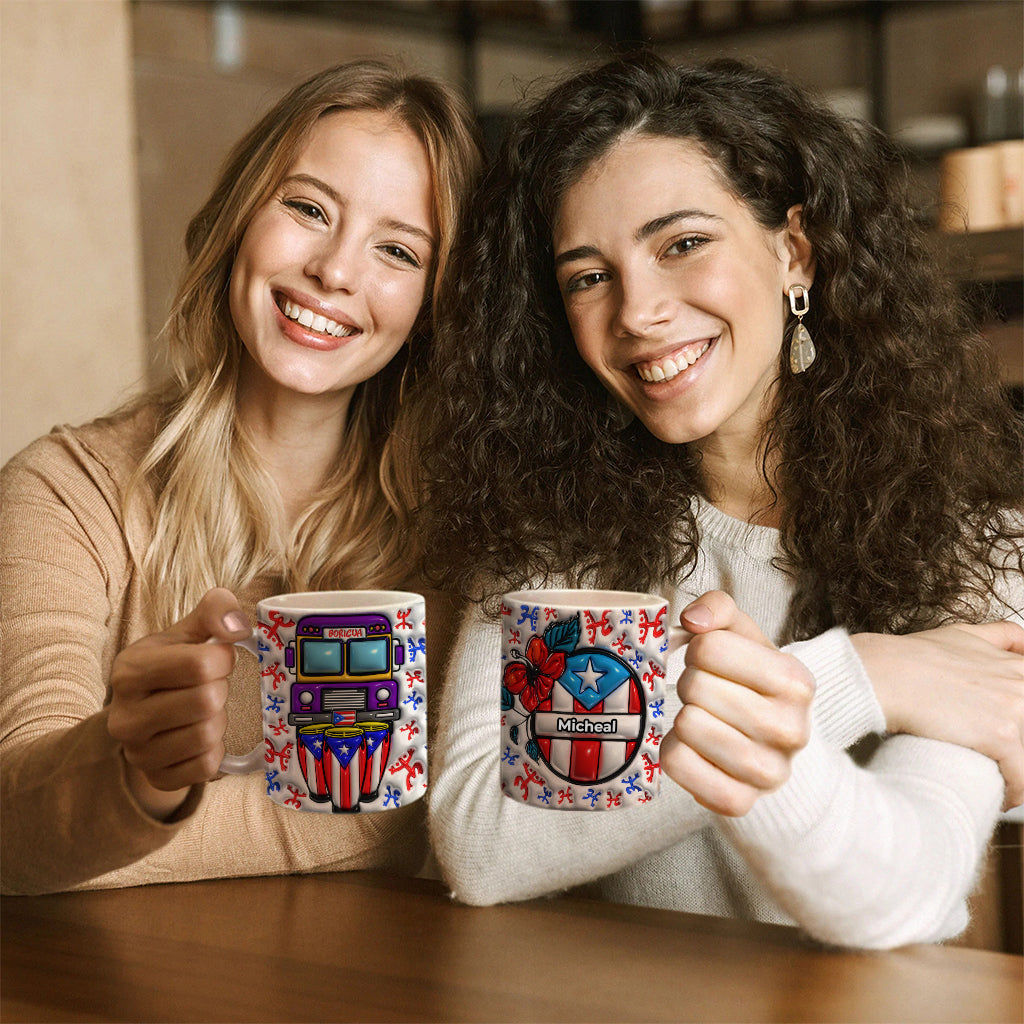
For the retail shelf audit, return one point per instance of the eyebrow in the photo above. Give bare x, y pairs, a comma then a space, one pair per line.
652, 227
582, 252
642, 234
335, 197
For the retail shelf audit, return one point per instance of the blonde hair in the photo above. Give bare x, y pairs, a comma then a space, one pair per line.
217, 516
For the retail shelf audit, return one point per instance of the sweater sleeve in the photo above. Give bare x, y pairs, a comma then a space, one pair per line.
879, 856
67, 812
493, 849
845, 707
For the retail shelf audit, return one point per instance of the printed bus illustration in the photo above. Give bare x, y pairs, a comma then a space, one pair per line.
344, 669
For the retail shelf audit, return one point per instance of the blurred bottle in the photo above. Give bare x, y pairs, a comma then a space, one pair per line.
1000, 109
1017, 108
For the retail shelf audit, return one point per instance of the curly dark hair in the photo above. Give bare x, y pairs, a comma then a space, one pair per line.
898, 454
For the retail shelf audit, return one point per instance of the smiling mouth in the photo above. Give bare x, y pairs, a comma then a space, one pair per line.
658, 371
314, 321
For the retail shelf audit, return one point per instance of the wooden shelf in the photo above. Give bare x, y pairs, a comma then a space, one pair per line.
990, 265
987, 257
583, 23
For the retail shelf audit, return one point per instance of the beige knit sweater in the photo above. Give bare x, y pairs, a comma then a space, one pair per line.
71, 600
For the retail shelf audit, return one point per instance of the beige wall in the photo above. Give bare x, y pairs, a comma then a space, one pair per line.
71, 340
935, 55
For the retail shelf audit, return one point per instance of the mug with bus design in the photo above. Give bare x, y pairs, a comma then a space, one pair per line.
583, 696
343, 678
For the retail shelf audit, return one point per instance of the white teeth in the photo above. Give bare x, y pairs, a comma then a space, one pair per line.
314, 321
667, 368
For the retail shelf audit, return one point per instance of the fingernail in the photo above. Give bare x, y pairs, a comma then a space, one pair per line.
235, 622
699, 615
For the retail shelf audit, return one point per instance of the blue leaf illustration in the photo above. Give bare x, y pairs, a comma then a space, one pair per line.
563, 635
513, 734
533, 749
507, 700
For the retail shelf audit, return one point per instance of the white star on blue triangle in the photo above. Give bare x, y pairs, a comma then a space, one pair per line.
591, 675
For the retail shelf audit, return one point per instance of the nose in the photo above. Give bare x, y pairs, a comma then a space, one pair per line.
335, 263
644, 304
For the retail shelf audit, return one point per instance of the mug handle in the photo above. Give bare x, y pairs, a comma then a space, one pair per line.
242, 764
677, 637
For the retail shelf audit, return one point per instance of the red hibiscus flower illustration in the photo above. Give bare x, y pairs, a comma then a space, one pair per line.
533, 679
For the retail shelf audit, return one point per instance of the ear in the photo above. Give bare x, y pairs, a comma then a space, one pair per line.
799, 249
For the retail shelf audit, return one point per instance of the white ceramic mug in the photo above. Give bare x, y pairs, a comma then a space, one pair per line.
583, 697
343, 686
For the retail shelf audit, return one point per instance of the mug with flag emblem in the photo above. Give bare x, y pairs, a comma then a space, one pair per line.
583, 696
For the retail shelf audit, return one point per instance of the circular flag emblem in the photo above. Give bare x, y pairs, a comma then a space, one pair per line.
590, 727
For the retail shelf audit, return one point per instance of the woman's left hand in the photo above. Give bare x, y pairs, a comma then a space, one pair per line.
746, 710
960, 683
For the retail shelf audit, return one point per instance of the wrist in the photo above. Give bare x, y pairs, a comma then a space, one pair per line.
873, 651
160, 804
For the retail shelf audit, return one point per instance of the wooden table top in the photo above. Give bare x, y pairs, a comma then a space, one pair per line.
363, 946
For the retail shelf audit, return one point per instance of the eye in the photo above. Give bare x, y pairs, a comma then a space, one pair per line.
306, 209
399, 252
585, 281
686, 245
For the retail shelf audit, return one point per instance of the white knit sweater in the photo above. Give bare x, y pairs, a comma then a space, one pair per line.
874, 856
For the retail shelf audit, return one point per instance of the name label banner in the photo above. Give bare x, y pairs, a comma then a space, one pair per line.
570, 725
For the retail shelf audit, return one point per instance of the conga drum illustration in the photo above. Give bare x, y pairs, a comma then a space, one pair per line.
343, 766
311, 761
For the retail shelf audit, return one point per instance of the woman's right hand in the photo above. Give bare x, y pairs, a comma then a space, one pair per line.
167, 706
960, 683
746, 710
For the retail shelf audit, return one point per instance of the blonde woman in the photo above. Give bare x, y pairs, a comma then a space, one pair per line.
273, 460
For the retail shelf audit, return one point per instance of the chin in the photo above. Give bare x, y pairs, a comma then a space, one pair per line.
673, 433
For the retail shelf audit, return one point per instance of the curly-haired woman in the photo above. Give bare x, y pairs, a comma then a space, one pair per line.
274, 460
700, 346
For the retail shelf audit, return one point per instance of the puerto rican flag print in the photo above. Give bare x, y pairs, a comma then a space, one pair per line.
376, 746
589, 730
311, 762
343, 765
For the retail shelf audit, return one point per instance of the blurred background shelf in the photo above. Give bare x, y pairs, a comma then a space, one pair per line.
987, 256
591, 27
990, 267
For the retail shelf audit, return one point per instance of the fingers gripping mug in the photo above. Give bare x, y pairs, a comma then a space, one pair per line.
583, 696
343, 677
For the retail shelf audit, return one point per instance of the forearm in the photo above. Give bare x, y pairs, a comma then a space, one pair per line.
68, 815
876, 857
236, 830
493, 848
70, 822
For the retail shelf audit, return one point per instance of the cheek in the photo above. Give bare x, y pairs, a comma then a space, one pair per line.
752, 304
583, 326
244, 273
398, 303
237, 296
720, 287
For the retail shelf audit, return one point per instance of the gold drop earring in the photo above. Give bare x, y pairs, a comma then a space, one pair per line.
801, 349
